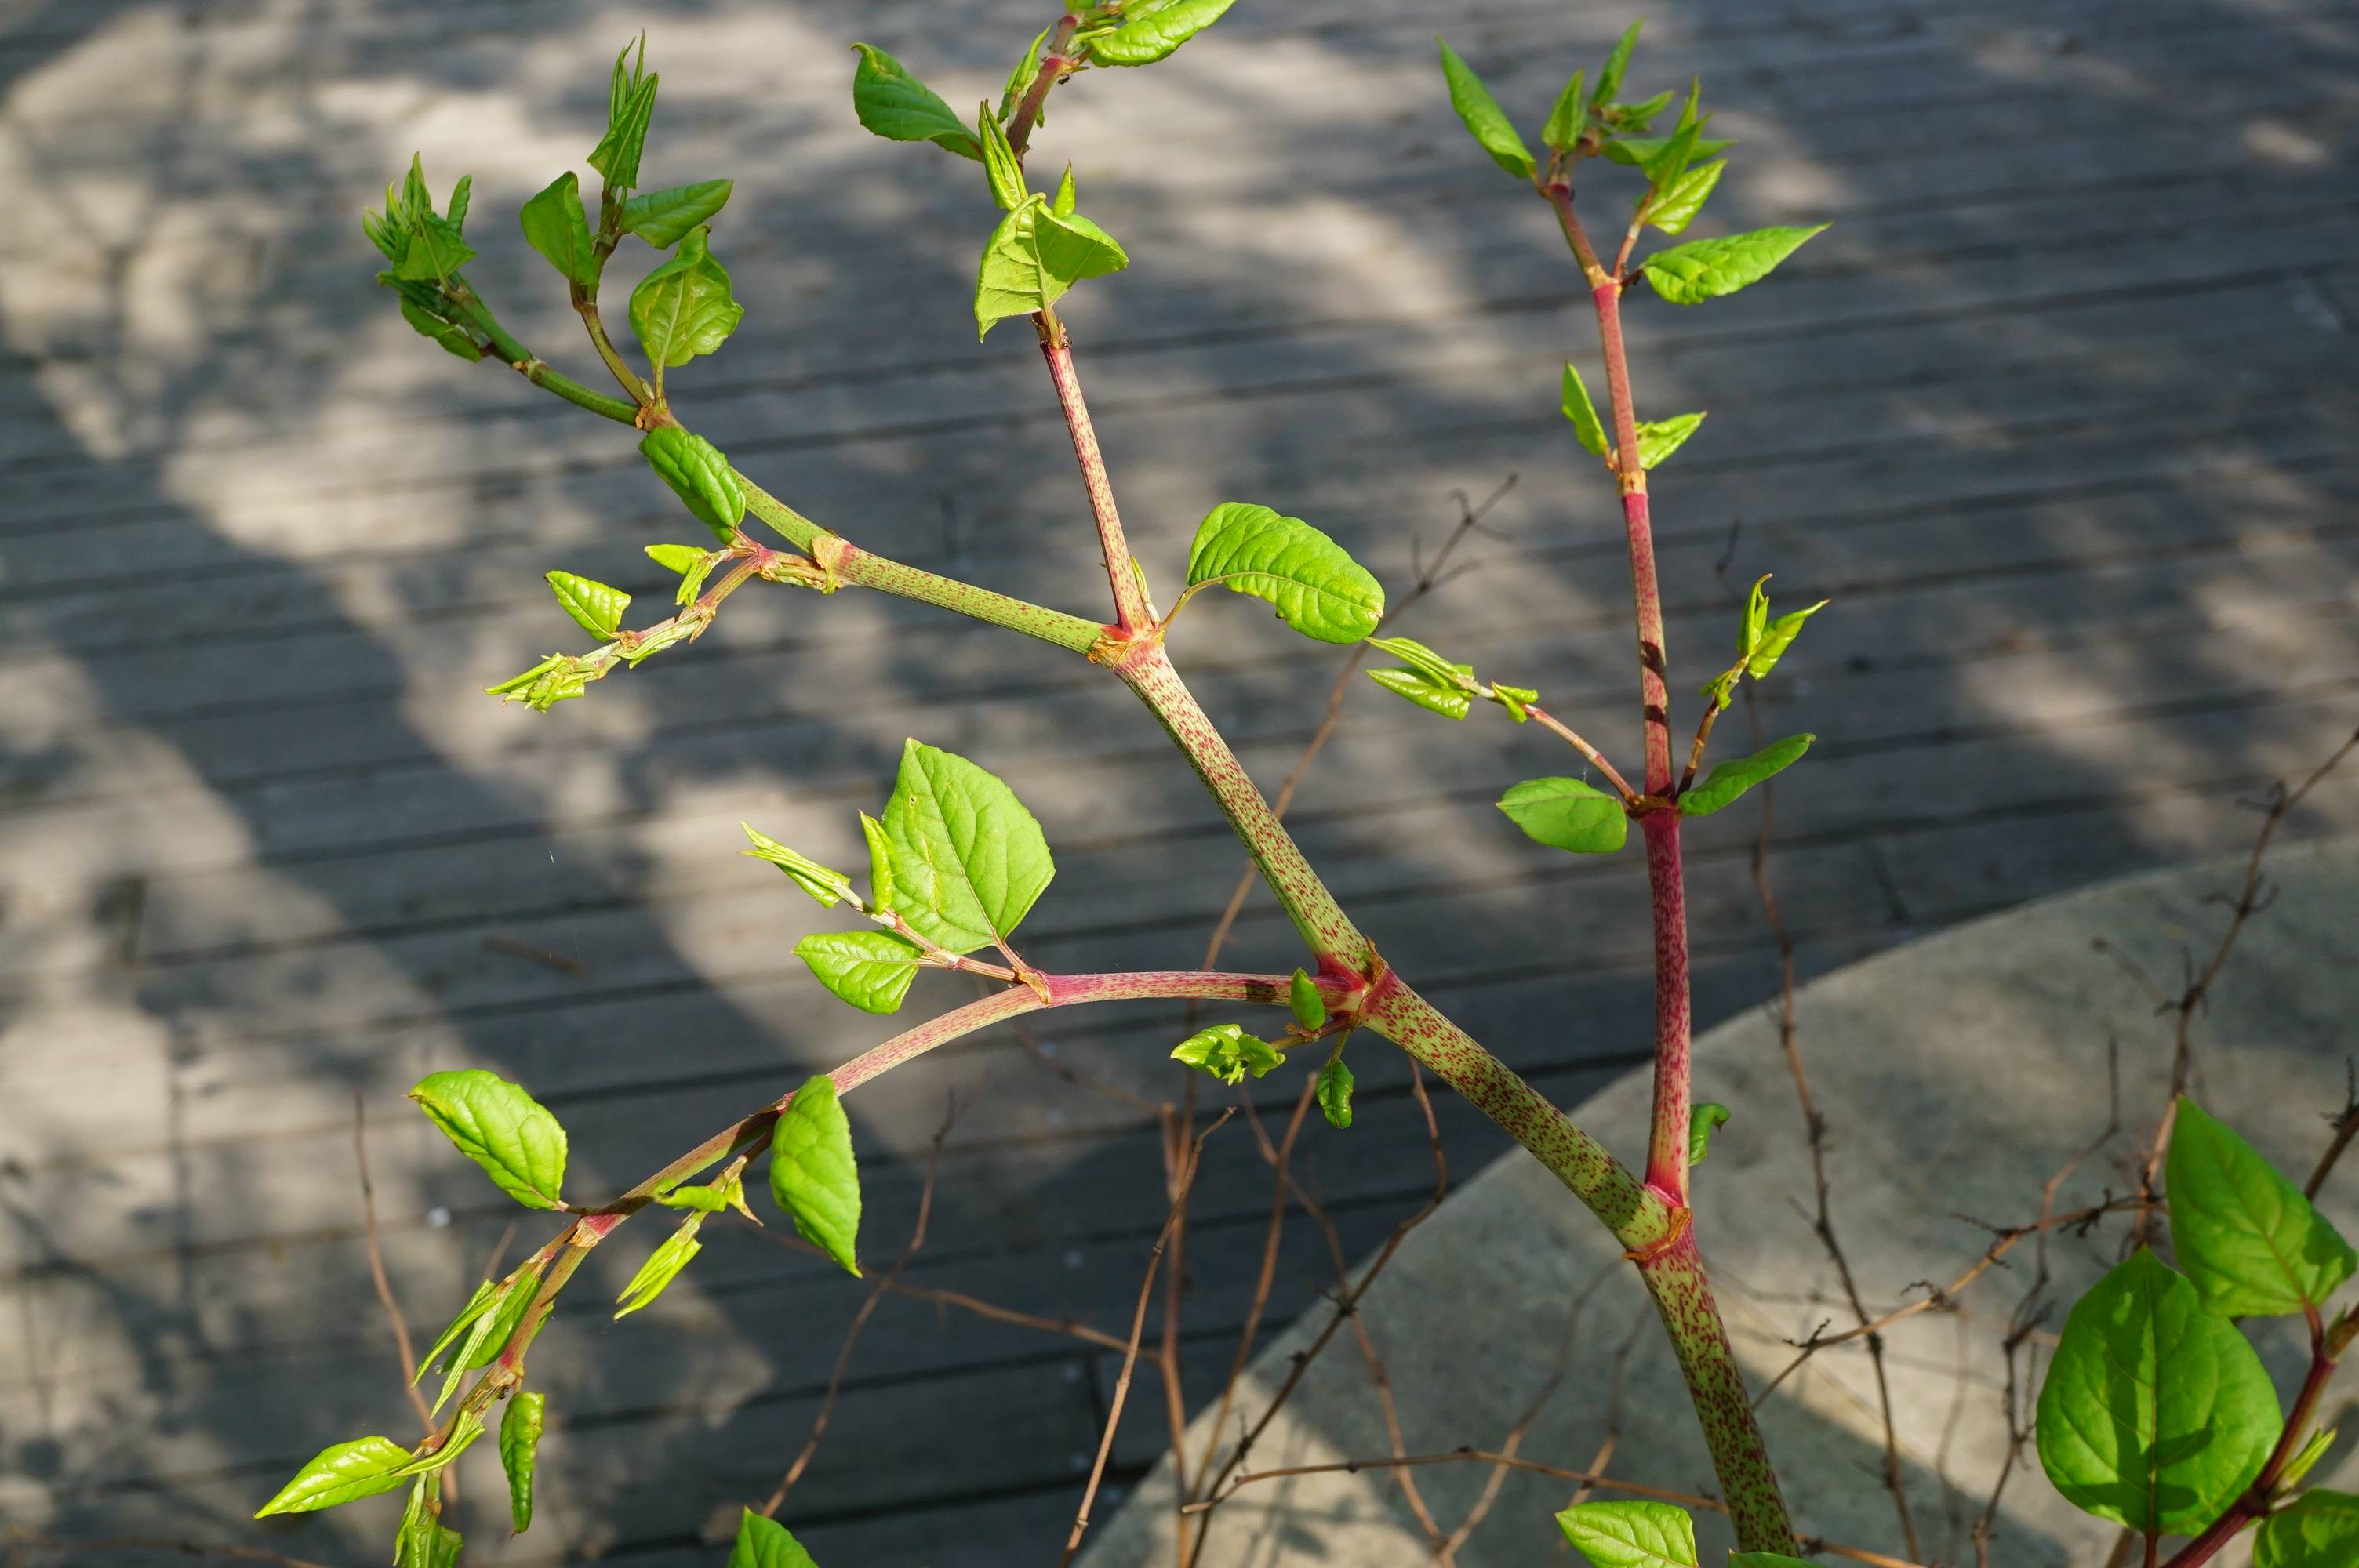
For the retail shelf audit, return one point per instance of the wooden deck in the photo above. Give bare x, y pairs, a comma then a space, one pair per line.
2060, 415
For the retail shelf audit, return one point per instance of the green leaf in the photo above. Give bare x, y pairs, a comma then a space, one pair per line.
1449, 701
2318, 1529
423, 1541
512, 1299
1707, 1115
968, 860
663, 217
765, 1543
1725, 783
1228, 1053
1659, 439
1515, 699
1566, 814
1587, 428
1485, 121
434, 253
1653, 152
1670, 160
1675, 207
630, 104
880, 864
1034, 256
460, 194
1424, 660
699, 474
1771, 641
895, 105
1609, 79
813, 1175
595, 608
825, 885
453, 338
1335, 1094
1631, 1534
477, 1304
2251, 1242
1153, 30
1061, 204
1706, 269
683, 308
1318, 589
1004, 169
1634, 117
681, 558
342, 1472
870, 969
2154, 1415
556, 226
1028, 70
662, 1266
519, 1447
2306, 1458
1570, 115
1302, 997
499, 1126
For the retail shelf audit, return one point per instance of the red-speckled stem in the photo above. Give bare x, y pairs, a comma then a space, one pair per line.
1637, 1218
1675, 1277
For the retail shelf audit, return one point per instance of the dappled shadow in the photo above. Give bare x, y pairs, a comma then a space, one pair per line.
2060, 413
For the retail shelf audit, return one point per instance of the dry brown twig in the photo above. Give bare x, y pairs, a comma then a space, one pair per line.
1138, 1331
868, 1309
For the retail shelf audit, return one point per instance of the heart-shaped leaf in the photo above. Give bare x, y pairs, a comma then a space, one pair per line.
556, 226
967, 860
871, 969
2154, 1414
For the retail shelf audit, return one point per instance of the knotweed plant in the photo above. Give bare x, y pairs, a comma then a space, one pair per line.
2156, 1411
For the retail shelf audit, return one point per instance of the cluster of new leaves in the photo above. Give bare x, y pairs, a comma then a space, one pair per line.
2156, 1413
1227, 1052
954, 865
522, 1147
1043, 246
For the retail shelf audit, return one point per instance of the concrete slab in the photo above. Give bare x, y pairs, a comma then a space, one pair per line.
1958, 1073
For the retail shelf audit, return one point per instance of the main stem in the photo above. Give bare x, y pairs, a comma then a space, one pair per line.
1674, 1273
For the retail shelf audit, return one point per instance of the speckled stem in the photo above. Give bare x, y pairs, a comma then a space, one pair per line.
1637, 1218
1145, 668
1675, 1278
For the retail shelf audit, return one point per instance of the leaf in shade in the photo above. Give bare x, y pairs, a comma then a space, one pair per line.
2318, 1530
766, 1544
1335, 1094
2154, 1413
2254, 1246
1721, 786
1706, 269
1228, 1053
1566, 814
